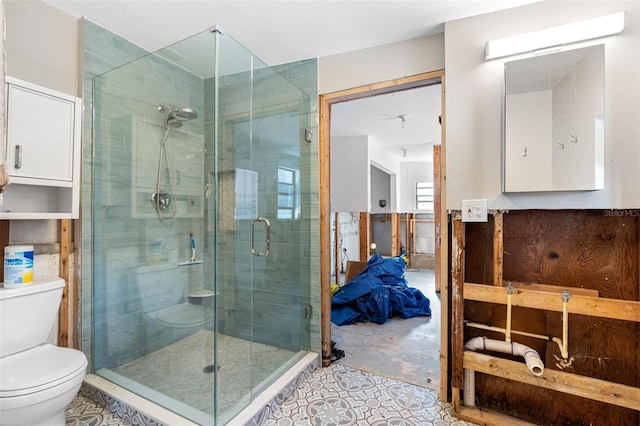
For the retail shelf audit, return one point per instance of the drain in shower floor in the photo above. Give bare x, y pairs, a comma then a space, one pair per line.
209, 368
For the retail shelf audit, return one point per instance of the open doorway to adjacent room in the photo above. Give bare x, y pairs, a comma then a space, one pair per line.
385, 149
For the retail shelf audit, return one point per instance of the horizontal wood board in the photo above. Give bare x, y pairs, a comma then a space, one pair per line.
591, 249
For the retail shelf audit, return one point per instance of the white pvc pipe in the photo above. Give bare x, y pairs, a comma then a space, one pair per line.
469, 390
561, 345
507, 333
565, 330
531, 357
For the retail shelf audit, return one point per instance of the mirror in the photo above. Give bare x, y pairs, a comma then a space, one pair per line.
554, 122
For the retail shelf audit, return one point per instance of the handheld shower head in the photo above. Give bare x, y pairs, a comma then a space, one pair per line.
176, 116
184, 113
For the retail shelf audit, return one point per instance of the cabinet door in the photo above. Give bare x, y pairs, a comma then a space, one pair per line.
39, 135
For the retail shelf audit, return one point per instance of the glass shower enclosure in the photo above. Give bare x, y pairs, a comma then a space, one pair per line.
201, 244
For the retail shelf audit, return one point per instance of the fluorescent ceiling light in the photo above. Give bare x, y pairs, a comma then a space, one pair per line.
555, 36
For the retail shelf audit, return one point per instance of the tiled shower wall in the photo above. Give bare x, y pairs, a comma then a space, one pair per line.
265, 298
104, 51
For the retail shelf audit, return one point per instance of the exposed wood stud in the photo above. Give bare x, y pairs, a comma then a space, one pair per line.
488, 418
364, 226
408, 231
395, 234
437, 215
583, 305
325, 229
66, 306
457, 303
498, 249
573, 384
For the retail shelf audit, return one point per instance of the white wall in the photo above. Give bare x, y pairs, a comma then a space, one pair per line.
474, 107
381, 63
412, 172
42, 45
350, 174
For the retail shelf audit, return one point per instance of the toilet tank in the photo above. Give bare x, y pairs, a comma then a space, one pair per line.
161, 285
27, 314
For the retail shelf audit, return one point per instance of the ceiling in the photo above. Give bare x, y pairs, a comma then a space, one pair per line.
379, 117
285, 31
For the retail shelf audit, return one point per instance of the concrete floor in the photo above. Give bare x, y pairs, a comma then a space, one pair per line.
407, 350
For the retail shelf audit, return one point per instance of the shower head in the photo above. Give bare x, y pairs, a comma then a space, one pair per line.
176, 116
183, 114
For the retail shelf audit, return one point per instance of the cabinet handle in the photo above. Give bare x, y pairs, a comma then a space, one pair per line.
18, 162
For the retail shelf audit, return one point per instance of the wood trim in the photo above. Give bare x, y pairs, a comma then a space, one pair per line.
573, 384
66, 306
405, 83
442, 261
498, 248
626, 310
484, 417
325, 229
457, 303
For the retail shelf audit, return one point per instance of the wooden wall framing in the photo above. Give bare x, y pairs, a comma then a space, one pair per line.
68, 315
592, 251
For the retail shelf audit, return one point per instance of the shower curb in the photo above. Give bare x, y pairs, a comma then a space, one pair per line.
256, 414
273, 404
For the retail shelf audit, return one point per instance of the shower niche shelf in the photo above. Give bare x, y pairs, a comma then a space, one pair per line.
43, 153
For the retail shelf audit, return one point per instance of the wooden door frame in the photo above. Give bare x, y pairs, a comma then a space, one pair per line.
326, 101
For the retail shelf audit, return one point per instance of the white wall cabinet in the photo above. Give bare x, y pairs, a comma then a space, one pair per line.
43, 153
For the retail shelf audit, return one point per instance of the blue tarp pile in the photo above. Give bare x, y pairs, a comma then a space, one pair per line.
378, 293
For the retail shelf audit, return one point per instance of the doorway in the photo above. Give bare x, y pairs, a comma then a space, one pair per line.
404, 331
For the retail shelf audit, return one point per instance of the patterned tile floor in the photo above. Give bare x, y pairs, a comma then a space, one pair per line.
334, 396
84, 412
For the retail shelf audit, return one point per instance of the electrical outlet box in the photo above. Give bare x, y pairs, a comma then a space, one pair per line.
474, 210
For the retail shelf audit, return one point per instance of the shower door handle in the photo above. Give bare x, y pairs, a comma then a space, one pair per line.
268, 236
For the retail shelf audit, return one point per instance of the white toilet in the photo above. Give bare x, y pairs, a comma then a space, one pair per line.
162, 288
37, 379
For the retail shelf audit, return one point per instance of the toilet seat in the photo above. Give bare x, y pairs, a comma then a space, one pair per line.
38, 369
182, 315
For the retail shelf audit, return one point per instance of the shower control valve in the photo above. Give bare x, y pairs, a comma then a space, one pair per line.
160, 200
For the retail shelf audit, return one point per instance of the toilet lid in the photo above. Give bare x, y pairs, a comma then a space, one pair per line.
39, 368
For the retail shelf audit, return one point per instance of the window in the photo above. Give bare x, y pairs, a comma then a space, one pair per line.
287, 193
424, 196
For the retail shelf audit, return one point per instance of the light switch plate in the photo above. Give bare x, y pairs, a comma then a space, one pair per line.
474, 210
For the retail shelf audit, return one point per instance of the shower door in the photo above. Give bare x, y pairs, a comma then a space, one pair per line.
263, 237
